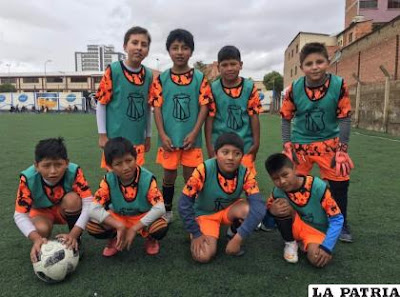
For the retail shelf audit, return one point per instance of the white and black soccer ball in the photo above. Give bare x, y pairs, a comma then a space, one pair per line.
55, 262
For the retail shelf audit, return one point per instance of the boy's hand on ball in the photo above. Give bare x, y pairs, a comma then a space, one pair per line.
69, 241
37, 244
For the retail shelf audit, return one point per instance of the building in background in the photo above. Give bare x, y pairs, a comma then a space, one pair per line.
97, 58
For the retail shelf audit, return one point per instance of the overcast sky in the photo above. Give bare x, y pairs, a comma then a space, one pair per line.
32, 32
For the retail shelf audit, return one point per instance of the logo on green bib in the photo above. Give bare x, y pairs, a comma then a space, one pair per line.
181, 110
221, 203
135, 110
235, 119
315, 120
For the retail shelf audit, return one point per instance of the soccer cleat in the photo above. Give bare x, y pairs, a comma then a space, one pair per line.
151, 246
169, 215
290, 252
345, 235
110, 249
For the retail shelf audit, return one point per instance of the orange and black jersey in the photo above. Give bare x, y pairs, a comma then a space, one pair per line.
129, 192
156, 97
104, 93
55, 193
343, 110
302, 196
196, 182
253, 105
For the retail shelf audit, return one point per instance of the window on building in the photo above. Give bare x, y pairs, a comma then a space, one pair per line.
394, 4
295, 70
297, 48
97, 79
30, 80
8, 80
291, 72
369, 4
288, 55
351, 37
292, 53
78, 79
54, 79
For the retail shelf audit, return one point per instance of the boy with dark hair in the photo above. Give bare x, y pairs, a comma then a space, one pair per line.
127, 203
236, 107
180, 97
122, 108
304, 211
211, 197
52, 191
316, 122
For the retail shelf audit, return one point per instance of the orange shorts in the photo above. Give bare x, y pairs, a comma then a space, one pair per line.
321, 153
130, 221
54, 214
305, 233
139, 158
171, 160
248, 161
210, 224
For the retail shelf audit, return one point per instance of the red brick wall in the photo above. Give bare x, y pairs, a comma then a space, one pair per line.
351, 11
364, 56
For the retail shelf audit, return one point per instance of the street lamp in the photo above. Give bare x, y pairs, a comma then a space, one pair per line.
45, 84
8, 65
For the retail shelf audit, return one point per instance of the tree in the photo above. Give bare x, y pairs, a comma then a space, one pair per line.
7, 88
274, 81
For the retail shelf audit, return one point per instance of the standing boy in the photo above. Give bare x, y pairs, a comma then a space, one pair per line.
236, 108
122, 108
316, 121
180, 97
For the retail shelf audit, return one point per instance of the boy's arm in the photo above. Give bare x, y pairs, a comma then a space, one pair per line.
335, 220
103, 96
157, 210
148, 132
186, 202
191, 137
81, 187
101, 199
208, 136
255, 129
256, 203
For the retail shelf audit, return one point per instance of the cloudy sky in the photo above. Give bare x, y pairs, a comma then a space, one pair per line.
32, 32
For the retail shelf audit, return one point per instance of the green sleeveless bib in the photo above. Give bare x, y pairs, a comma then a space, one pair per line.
232, 113
35, 184
127, 111
315, 120
212, 197
138, 205
180, 107
312, 213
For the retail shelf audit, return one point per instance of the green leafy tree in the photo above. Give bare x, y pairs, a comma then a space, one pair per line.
273, 81
7, 88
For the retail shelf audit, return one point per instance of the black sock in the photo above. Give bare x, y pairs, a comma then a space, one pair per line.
339, 190
71, 218
285, 228
168, 194
98, 231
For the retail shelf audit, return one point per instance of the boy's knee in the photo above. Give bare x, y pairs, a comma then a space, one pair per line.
71, 202
239, 211
99, 231
158, 229
43, 228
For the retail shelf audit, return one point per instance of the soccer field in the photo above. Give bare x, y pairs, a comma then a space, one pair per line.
373, 215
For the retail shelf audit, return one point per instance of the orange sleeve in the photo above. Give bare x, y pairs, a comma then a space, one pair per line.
329, 204
254, 104
250, 185
156, 98
81, 186
270, 200
288, 108
205, 96
104, 93
102, 195
154, 195
24, 200
344, 105
212, 109
196, 182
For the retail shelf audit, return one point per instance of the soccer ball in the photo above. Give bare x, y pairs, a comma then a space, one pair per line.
55, 262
